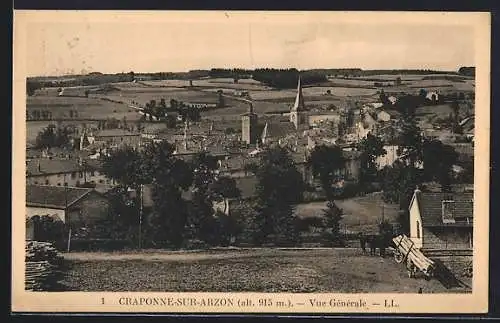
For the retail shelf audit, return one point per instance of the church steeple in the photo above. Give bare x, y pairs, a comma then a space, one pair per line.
249, 125
297, 112
299, 99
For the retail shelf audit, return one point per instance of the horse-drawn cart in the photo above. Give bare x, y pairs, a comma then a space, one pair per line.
413, 258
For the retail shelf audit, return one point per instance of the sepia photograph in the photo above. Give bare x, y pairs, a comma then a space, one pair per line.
250, 161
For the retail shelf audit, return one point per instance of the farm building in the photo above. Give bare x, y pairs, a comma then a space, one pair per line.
389, 158
383, 116
441, 221
117, 137
274, 132
201, 105
432, 96
64, 172
77, 207
316, 119
392, 99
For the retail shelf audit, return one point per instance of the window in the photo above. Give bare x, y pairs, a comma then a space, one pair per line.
448, 207
58, 184
101, 181
65, 184
73, 175
46, 182
418, 230
81, 175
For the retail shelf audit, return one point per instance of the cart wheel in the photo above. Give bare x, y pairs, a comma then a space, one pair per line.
398, 257
410, 269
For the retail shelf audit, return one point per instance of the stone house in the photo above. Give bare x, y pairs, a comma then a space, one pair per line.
441, 221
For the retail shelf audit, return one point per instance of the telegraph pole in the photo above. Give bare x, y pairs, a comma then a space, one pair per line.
65, 211
140, 216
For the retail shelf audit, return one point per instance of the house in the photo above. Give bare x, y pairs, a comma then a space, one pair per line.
391, 155
316, 119
275, 132
441, 221
75, 207
383, 116
432, 96
467, 126
64, 172
116, 137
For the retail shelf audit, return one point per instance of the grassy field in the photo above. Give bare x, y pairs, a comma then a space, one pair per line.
88, 108
34, 127
257, 270
360, 213
211, 83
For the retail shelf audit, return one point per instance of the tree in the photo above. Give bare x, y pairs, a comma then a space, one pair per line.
169, 177
124, 166
122, 220
371, 147
170, 121
224, 187
410, 140
332, 217
422, 95
174, 105
201, 213
31, 87
456, 117
279, 188
438, 160
52, 136
325, 162
400, 181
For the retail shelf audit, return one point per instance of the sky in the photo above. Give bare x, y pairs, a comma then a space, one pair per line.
73, 46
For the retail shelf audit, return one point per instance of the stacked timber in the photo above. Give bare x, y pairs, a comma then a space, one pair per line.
406, 251
43, 266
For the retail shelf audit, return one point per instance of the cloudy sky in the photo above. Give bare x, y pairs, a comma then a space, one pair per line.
57, 45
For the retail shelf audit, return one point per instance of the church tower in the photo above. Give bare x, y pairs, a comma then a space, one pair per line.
298, 114
249, 126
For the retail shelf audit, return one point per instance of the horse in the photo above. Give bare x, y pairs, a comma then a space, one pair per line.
376, 241
362, 241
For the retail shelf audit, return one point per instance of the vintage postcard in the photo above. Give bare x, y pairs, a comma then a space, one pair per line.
250, 162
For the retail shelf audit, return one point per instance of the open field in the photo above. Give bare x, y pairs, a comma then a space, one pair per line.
404, 77
144, 95
34, 127
211, 83
360, 213
338, 91
350, 81
88, 108
437, 111
253, 270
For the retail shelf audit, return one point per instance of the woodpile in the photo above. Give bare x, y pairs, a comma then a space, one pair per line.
415, 259
467, 271
43, 266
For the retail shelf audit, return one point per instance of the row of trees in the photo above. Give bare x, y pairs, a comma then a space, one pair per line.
286, 78
176, 219
166, 113
53, 136
407, 173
